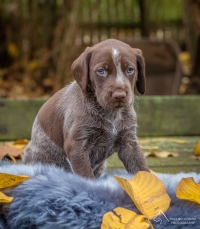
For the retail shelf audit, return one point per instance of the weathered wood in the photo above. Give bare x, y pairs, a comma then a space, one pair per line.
168, 115
157, 116
183, 163
17, 116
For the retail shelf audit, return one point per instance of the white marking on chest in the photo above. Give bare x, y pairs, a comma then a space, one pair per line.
114, 129
115, 124
116, 59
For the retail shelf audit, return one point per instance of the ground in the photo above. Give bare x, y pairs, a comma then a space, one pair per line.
184, 162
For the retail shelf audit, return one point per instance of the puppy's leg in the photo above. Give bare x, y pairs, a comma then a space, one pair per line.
98, 170
33, 155
41, 149
132, 156
78, 154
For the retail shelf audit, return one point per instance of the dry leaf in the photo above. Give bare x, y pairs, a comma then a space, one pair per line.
147, 192
124, 219
162, 154
19, 144
150, 147
11, 152
196, 158
143, 141
197, 149
188, 189
21, 141
4, 198
9, 180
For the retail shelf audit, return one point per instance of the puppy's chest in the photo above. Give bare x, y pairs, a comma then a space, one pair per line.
114, 127
109, 133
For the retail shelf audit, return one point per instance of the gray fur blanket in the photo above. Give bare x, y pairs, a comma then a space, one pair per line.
54, 199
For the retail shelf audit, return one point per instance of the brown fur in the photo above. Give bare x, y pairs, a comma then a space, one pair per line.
90, 119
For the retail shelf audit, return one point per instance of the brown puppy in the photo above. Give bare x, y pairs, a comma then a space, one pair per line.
93, 117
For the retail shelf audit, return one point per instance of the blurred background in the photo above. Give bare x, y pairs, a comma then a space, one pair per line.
39, 40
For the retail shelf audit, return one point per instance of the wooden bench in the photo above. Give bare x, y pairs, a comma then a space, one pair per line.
158, 116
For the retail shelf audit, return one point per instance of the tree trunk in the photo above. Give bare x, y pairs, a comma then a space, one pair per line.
144, 17
66, 47
192, 25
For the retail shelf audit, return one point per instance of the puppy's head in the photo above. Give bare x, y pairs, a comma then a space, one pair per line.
111, 69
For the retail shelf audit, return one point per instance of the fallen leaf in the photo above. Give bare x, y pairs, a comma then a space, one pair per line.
197, 149
162, 154
9, 180
150, 147
11, 152
144, 141
147, 192
188, 189
19, 144
124, 219
4, 198
196, 158
13, 50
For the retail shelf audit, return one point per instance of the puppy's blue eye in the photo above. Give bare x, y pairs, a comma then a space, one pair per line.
129, 70
101, 71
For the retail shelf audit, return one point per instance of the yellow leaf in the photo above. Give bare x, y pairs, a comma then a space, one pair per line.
188, 189
19, 144
4, 198
197, 149
33, 64
13, 50
150, 147
147, 192
162, 154
144, 141
8, 180
121, 218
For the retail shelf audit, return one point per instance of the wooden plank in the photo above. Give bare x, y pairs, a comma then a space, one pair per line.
168, 115
157, 116
17, 116
183, 163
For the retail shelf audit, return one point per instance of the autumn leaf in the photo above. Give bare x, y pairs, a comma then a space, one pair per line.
13, 50
147, 192
196, 158
150, 147
19, 144
11, 152
197, 149
124, 219
144, 141
188, 189
162, 154
4, 198
9, 180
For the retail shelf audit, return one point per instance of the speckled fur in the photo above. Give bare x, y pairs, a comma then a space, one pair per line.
83, 124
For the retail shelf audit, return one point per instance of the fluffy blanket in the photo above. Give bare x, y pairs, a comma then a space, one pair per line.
53, 199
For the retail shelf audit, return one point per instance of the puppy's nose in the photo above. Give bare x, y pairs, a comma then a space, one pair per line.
119, 95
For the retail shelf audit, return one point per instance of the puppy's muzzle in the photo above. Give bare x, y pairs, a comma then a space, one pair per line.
119, 96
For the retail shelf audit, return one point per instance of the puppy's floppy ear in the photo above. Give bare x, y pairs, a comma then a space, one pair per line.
141, 82
80, 69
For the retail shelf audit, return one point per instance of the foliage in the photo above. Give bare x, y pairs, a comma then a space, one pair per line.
40, 38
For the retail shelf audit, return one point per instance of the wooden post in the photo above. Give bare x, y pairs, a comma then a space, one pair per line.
191, 10
144, 17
